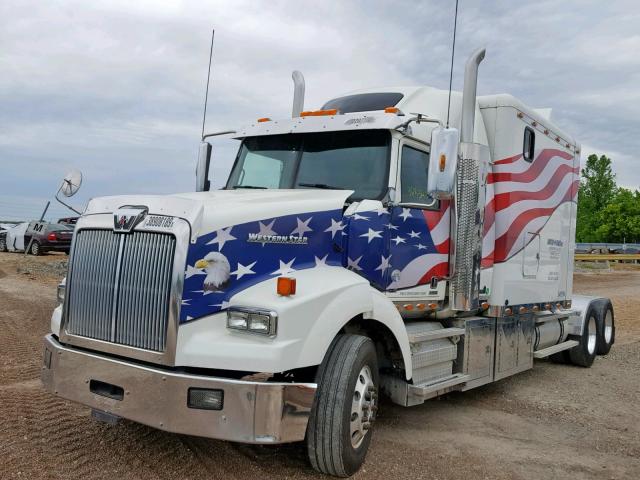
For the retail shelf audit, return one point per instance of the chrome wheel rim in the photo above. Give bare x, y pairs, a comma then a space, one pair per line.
591, 335
363, 407
608, 327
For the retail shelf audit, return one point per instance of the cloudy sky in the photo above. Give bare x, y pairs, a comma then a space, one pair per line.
116, 88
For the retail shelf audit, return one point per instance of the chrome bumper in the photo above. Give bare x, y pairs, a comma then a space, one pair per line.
253, 412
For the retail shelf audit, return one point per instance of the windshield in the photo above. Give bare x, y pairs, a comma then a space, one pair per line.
351, 160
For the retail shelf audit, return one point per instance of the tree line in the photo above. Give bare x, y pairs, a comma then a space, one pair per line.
606, 212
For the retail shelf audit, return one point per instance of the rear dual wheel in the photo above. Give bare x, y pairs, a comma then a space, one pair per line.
339, 429
606, 329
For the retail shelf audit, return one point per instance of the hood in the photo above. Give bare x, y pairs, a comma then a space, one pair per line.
243, 237
210, 211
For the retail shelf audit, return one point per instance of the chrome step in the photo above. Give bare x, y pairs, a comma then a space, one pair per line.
545, 352
417, 337
435, 386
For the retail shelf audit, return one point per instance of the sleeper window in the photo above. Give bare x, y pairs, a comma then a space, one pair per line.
413, 176
529, 144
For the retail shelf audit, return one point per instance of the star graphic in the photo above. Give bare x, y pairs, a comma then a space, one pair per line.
398, 240
222, 305
243, 270
285, 268
267, 229
413, 234
222, 236
384, 264
421, 247
186, 302
321, 262
191, 271
354, 264
302, 228
390, 226
359, 217
406, 213
335, 228
203, 292
371, 234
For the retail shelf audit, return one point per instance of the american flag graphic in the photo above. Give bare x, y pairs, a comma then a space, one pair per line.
520, 198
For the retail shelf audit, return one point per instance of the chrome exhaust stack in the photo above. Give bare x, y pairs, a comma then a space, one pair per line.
468, 218
298, 93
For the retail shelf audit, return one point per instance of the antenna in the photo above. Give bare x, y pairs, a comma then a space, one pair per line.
206, 95
453, 51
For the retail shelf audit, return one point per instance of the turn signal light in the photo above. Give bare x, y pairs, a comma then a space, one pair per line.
420, 306
484, 305
408, 307
264, 119
433, 306
286, 286
443, 162
319, 113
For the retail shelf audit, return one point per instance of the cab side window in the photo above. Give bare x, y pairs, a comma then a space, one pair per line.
413, 176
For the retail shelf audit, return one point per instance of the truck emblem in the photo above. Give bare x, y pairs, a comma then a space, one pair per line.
127, 217
288, 239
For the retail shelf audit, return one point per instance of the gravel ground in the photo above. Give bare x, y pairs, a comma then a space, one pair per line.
555, 421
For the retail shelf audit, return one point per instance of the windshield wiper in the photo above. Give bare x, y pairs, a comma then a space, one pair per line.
320, 185
249, 186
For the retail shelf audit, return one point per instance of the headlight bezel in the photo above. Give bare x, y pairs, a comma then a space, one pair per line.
257, 316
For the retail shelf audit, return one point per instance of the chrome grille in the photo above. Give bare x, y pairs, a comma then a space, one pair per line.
119, 287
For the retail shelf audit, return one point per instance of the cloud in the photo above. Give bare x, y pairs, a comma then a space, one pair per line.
116, 88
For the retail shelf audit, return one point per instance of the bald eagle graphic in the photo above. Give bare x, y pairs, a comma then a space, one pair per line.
217, 268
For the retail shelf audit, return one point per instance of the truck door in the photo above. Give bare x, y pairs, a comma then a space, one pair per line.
419, 225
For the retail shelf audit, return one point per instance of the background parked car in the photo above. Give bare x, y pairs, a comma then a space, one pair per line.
46, 237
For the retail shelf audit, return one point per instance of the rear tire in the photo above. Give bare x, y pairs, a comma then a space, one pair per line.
339, 429
35, 248
584, 353
606, 329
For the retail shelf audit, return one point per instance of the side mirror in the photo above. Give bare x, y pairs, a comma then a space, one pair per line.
442, 164
202, 168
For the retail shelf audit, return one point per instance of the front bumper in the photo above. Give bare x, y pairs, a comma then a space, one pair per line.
253, 412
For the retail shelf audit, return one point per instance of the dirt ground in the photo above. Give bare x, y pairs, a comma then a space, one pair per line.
552, 422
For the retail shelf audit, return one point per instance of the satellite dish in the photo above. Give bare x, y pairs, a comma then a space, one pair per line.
71, 183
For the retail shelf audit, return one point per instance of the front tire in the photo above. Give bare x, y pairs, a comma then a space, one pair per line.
584, 353
339, 429
3, 245
606, 329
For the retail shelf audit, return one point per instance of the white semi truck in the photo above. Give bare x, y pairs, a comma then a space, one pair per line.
361, 249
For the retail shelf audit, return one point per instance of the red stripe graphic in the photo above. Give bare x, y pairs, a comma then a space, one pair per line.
505, 242
433, 217
507, 160
532, 172
506, 199
439, 270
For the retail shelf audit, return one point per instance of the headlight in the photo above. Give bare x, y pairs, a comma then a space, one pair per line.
62, 287
252, 320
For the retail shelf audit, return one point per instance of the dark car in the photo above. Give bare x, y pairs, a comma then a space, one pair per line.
54, 237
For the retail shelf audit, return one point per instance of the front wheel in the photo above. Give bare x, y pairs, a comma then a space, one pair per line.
339, 429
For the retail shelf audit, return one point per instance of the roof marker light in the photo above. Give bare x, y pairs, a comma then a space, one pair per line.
264, 119
391, 110
319, 113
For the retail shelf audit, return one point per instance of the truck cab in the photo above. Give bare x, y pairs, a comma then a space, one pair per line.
377, 245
